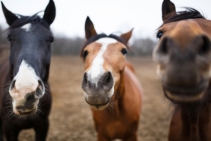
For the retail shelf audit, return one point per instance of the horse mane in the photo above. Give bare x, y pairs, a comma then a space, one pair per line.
189, 13
102, 35
22, 20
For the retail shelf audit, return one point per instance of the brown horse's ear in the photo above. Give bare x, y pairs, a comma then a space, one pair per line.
89, 28
167, 8
50, 12
126, 36
10, 17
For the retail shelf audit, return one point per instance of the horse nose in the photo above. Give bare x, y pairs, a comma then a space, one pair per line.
201, 45
163, 47
38, 92
103, 84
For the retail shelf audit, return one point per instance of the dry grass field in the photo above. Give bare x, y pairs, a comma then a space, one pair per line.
71, 118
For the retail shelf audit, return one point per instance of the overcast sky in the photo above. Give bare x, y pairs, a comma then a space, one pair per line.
108, 16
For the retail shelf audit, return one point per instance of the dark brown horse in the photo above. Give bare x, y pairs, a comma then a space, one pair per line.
110, 85
25, 99
183, 55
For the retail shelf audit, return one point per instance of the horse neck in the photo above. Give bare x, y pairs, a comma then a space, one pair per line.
196, 118
120, 90
117, 102
195, 121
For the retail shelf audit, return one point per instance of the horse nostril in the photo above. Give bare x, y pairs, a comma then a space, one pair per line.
107, 77
85, 79
40, 91
205, 45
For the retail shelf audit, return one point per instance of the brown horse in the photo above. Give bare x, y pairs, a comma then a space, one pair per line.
183, 55
25, 99
110, 86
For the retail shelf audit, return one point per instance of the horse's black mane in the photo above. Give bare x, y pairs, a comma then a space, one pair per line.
102, 35
28, 19
189, 13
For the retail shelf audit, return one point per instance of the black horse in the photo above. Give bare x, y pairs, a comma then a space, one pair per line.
25, 99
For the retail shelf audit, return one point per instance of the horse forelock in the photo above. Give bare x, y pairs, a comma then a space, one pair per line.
100, 36
189, 13
24, 20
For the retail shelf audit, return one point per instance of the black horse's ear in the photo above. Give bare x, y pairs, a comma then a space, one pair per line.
89, 28
10, 17
126, 36
50, 12
168, 7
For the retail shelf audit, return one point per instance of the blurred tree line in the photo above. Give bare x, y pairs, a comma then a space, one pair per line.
72, 46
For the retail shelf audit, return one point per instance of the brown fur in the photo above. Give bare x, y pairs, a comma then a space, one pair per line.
120, 118
183, 56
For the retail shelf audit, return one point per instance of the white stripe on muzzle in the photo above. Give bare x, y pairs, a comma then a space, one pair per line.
96, 71
26, 81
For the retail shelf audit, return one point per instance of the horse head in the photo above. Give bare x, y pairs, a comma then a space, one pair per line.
104, 60
30, 51
183, 53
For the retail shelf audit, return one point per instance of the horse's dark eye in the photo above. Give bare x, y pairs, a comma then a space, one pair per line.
159, 34
9, 38
124, 51
85, 53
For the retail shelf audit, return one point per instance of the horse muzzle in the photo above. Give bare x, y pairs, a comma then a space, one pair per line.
181, 94
24, 101
98, 94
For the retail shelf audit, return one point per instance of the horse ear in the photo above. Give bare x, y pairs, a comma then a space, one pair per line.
167, 8
89, 28
10, 17
126, 36
50, 12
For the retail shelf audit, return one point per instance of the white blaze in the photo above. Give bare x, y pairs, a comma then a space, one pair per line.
97, 70
26, 27
26, 81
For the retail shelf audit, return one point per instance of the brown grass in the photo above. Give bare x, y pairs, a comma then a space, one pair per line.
71, 118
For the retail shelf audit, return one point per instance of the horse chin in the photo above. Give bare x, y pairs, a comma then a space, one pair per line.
184, 94
97, 102
99, 108
184, 98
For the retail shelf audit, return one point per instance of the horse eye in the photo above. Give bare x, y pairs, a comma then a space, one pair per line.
9, 38
124, 51
85, 53
159, 34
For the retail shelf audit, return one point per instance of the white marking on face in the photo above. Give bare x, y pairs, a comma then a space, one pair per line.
26, 82
96, 71
26, 27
